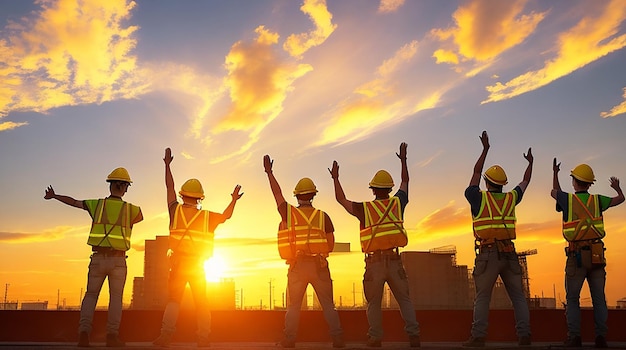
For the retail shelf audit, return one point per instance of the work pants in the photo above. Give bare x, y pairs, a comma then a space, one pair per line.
490, 264
101, 267
574, 278
313, 270
378, 270
183, 270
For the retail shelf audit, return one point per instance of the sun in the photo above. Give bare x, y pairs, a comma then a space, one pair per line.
214, 268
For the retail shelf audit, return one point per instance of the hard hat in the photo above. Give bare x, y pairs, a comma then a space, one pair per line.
583, 172
119, 174
495, 174
304, 186
192, 188
382, 179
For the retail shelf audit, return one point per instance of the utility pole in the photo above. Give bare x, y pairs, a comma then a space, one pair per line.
6, 292
353, 295
271, 296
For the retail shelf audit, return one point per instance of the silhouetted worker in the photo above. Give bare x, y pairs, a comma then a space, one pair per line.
109, 238
190, 245
382, 233
305, 238
493, 216
583, 229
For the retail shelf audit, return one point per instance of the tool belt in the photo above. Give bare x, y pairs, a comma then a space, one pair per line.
588, 254
380, 255
108, 252
501, 246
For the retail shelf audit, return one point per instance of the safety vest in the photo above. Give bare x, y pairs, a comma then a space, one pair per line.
191, 237
302, 232
496, 217
112, 223
584, 221
383, 225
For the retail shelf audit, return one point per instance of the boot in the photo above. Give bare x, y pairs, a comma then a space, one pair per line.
474, 342
114, 342
414, 341
163, 340
83, 340
338, 342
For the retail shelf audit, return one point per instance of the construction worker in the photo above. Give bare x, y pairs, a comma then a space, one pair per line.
382, 233
109, 238
493, 215
583, 229
190, 245
305, 238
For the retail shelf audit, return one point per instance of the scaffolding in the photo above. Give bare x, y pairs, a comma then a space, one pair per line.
524, 265
446, 250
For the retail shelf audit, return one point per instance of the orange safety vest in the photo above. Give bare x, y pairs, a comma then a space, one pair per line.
496, 217
302, 233
112, 223
191, 237
584, 221
383, 225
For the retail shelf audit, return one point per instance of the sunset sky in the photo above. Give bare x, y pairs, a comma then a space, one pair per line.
88, 86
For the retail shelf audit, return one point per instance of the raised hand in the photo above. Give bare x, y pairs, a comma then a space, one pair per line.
484, 139
334, 172
556, 167
529, 156
614, 183
267, 163
402, 154
49, 193
168, 156
236, 195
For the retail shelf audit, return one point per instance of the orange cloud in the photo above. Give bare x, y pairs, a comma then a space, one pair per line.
387, 6
54, 234
615, 111
71, 52
376, 103
485, 29
591, 38
10, 125
449, 221
258, 81
298, 44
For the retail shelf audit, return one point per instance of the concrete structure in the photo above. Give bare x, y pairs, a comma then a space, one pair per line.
150, 292
435, 281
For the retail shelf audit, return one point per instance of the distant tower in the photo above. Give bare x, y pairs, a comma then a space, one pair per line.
524, 265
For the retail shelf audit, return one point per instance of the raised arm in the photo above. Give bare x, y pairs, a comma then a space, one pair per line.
228, 212
340, 196
620, 195
169, 179
63, 199
404, 185
556, 186
529, 170
276, 191
480, 163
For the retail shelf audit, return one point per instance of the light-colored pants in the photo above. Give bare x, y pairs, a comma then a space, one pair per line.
574, 278
101, 267
488, 265
313, 270
185, 270
389, 269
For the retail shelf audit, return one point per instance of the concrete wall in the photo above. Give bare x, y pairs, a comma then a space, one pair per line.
266, 326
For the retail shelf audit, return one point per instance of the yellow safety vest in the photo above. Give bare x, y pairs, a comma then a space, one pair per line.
496, 217
191, 237
383, 225
302, 233
112, 223
584, 221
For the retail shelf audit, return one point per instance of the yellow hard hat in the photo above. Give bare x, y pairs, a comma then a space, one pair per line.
119, 174
382, 179
304, 186
583, 172
495, 174
192, 188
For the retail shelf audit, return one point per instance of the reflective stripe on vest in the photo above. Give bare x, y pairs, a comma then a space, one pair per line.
302, 233
112, 224
383, 225
496, 217
191, 237
584, 221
